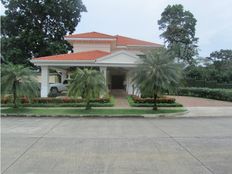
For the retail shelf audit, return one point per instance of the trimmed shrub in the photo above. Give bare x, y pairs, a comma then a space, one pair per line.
61, 102
25, 100
134, 104
5, 99
56, 100
8, 99
68, 100
101, 100
137, 99
218, 94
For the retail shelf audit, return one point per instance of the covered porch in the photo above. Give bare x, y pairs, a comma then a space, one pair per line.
117, 78
116, 67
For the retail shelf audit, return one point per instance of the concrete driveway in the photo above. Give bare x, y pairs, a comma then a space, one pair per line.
116, 146
201, 102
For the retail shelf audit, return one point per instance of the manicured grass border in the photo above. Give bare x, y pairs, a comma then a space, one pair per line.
92, 112
133, 104
110, 104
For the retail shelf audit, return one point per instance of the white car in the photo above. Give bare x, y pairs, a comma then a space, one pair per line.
59, 87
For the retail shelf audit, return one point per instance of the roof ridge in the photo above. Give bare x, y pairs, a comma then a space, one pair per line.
125, 40
77, 53
120, 39
86, 33
133, 38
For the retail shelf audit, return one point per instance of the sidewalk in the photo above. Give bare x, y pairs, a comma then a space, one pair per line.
208, 112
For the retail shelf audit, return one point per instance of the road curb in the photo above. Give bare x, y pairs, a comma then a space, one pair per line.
180, 115
167, 115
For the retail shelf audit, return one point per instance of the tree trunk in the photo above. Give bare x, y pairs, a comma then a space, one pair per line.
155, 102
14, 95
88, 106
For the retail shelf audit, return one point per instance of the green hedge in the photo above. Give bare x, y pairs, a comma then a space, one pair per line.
137, 99
96, 103
60, 105
218, 94
52, 100
149, 104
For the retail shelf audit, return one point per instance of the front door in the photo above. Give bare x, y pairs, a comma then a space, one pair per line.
117, 81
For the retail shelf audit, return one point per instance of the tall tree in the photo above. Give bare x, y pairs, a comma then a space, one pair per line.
157, 73
34, 28
222, 65
87, 83
221, 59
19, 81
178, 26
217, 67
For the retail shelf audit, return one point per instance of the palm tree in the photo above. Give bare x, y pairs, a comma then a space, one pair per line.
157, 72
87, 83
18, 81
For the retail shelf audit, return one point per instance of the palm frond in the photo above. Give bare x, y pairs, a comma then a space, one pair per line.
157, 72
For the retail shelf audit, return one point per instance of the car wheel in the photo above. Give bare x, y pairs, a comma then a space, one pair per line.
54, 90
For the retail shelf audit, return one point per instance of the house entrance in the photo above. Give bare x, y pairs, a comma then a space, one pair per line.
117, 81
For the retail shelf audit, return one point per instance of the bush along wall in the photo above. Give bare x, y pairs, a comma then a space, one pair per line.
218, 94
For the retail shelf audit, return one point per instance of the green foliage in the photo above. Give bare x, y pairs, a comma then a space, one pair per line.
18, 81
157, 73
222, 56
58, 102
219, 94
178, 28
196, 72
88, 84
218, 68
162, 99
37, 28
222, 60
148, 104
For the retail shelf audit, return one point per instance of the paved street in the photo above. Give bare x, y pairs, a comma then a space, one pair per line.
116, 146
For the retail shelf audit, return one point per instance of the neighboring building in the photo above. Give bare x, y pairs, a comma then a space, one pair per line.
115, 56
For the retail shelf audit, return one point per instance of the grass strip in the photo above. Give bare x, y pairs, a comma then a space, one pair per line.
66, 111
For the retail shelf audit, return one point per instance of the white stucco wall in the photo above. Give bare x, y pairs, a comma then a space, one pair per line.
79, 47
134, 51
131, 88
120, 58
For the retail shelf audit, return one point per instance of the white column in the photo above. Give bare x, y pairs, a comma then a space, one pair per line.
104, 71
44, 81
129, 88
63, 76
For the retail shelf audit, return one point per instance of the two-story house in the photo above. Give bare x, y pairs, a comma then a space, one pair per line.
115, 56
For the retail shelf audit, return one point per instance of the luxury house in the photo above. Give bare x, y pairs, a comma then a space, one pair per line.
115, 56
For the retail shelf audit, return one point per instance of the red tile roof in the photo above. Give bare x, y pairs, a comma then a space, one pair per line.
87, 55
120, 40
124, 41
90, 35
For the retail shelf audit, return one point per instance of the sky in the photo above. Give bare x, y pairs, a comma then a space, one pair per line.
138, 19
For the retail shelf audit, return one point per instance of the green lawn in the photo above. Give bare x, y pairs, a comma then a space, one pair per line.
66, 111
